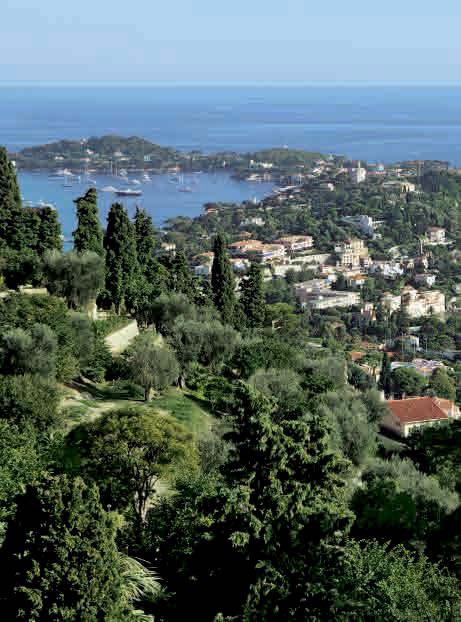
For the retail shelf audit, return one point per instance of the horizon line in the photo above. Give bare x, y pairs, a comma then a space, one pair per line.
227, 83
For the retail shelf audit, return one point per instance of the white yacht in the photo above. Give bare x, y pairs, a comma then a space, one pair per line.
128, 192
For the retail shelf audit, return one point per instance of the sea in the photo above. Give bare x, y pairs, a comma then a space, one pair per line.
376, 123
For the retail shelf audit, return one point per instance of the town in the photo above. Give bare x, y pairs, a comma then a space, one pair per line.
380, 294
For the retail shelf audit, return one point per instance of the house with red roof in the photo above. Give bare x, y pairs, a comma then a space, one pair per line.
411, 413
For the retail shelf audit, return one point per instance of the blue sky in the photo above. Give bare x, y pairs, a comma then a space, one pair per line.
234, 40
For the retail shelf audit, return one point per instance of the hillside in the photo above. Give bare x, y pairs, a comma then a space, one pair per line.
105, 152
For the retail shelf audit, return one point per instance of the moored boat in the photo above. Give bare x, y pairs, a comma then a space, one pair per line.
128, 192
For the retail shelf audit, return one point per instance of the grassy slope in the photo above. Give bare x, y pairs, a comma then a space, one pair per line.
188, 409
84, 402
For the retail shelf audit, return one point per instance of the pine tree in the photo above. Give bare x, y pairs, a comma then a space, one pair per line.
11, 222
121, 261
88, 235
385, 378
252, 298
59, 560
222, 281
145, 238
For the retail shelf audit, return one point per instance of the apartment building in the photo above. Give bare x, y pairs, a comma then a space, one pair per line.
296, 243
352, 254
420, 303
415, 303
257, 249
317, 294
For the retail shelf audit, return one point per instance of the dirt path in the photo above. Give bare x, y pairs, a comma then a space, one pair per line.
120, 340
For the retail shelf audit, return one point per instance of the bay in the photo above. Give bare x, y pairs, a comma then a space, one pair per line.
161, 198
370, 122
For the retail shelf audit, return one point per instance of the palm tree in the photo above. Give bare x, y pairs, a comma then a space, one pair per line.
139, 583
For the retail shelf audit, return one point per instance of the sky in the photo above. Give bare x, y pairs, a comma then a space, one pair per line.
230, 41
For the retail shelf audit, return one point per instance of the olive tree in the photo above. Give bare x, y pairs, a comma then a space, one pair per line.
152, 365
126, 452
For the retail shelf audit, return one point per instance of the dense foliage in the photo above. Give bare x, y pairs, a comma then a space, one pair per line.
235, 444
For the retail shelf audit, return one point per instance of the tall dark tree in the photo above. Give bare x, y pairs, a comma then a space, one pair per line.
145, 238
252, 298
385, 378
59, 560
292, 487
270, 529
11, 228
49, 231
222, 280
88, 235
121, 260
181, 278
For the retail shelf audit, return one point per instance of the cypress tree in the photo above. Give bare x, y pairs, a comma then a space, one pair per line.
121, 261
181, 278
385, 378
145, 238
11, 222
59, 560
252, 298
88, 235
49, 231
222, 281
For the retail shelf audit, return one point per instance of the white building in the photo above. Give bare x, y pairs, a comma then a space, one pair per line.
420, 303
388, 269
352, 253
253, 220
261, 165
436, 235
331, 299
294, 243
365, 223
317, 294
415, 303
426, 278
399, 186
358, 175
259, 250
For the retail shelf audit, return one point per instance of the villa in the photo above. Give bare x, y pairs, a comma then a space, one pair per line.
409, 414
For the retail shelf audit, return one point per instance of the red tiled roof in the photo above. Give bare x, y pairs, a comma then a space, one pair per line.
356, 355
446, 405
416, 409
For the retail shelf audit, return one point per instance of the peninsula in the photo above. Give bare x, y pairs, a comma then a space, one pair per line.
110, 154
